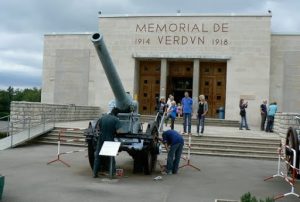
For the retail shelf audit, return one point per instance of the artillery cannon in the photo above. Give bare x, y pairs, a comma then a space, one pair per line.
143, 147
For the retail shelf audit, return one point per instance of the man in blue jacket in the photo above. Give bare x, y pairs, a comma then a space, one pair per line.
187, 108
174, 144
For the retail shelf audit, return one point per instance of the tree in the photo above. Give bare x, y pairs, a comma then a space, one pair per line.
27, 94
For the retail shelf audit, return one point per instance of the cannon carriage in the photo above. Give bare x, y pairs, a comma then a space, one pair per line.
143, 147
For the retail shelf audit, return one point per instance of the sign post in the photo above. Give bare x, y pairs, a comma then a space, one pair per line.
110, 149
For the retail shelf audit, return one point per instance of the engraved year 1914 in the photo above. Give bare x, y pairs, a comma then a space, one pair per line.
142, 41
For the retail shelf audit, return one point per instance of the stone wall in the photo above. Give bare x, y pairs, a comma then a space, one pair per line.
34, 113
283, 121
71, 64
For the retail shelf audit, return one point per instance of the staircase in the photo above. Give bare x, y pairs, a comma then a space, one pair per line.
243, 147
208, 121
52, 137
240, 147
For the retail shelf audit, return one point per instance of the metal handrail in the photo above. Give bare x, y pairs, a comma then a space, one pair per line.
4, 117
27, 122
297, 118
27, 125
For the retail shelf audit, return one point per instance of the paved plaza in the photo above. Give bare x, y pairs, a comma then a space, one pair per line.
30, 179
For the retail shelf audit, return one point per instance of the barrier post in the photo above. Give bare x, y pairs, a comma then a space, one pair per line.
60, 135
188, 163
279, 173
58, 152
278, 167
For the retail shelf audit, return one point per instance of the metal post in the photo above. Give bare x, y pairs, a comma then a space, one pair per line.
11, 135
44, 120
24, 122
8, 126
54, 117
111, 167
29, 125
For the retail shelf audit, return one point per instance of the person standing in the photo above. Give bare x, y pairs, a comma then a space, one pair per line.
202, 111
187, 105
271, 114
263, 113
179, 110
168, 107
169, 102
174, 144
108, 126
161, 108
172, 112
243, 106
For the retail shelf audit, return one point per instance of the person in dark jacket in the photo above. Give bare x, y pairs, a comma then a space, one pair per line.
243, 106
108, 126
202, 111
263, 113
161, 109
174, 144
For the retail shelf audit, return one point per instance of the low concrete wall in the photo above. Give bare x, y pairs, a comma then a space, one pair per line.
283, 121
40, 112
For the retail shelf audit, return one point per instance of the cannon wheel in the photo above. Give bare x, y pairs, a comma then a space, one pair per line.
293, 142
91, 151
150, 153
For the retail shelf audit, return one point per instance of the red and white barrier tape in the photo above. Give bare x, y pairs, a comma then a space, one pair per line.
64, 140
75, 151
282, 157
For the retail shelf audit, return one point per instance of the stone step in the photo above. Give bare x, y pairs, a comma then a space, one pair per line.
200, 141
226, 146
208, 121
67, 136
241, 147
59, 130
235, 142
201, 145
234, 151
197, 151
220, 137
45, 141
268, 140
262, 157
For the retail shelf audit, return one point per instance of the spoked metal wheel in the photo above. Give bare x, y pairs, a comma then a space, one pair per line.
92, 140
292, 140
150, 154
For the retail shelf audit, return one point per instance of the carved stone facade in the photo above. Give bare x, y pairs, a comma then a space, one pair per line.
259, 64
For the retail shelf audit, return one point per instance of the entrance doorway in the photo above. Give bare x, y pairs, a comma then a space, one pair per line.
180, 79
149, 86
213, 85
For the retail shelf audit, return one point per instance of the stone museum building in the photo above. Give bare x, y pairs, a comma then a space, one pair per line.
224, 57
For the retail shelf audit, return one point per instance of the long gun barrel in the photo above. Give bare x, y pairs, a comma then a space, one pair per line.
123, 100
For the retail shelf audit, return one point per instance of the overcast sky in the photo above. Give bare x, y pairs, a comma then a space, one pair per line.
24, 22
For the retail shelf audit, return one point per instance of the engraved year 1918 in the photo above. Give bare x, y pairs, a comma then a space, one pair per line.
219, 42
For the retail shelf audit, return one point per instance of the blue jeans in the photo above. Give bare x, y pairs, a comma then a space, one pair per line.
174, 158
200, 123
243, 122
187, 122
270, 123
